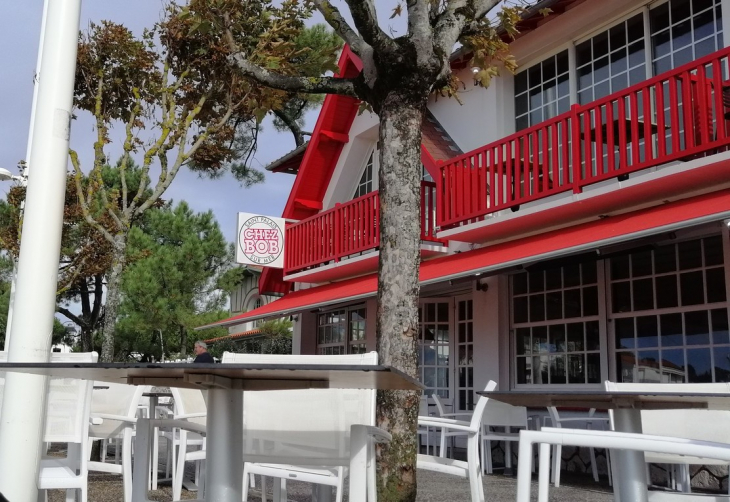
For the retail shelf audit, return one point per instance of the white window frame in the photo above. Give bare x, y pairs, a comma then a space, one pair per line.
600, 318
649, 56
371, 163
347, 343
679, 309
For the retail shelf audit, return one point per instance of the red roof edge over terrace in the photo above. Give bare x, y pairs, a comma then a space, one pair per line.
580, 238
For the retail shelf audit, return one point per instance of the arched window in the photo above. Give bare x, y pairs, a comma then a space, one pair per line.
253, 304
365, 185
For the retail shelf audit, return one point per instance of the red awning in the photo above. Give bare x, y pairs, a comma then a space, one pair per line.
567, 241
329, 294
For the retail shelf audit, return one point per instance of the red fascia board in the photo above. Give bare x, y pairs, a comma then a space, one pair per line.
350, 66
574, 237
504, 254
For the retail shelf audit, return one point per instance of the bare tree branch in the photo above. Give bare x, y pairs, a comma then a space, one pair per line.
71, 317
292, 125
320, 85
84, 204
419, 29
366, 20
482, 7
98, 296
338, 23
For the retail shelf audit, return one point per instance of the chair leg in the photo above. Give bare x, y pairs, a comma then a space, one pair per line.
442, 450
127, 464
155, 456
594, 467
557, 461
263, 488
608, 467
507, 456
475, 471
543, 483
179, 468
372, 487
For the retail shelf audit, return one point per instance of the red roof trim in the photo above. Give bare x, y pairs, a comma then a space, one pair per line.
565, 241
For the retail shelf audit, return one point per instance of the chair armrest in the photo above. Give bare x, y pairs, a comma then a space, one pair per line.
119, 418
455, 425
583, 419
191, 415
379, 435
457, 414
179, 424
441, 420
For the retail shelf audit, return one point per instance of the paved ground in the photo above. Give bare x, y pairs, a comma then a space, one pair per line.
432, 487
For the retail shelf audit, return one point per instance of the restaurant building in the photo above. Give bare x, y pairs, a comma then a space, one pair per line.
574, 215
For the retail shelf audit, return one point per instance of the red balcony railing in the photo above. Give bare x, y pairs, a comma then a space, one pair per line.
346, 230
678, 115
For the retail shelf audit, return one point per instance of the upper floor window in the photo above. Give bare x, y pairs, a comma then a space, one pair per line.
542, 91
253, 304
342, 331
680, 31
684, 30
611, 61
365, 185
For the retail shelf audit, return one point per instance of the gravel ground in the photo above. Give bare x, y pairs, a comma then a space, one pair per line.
432, 487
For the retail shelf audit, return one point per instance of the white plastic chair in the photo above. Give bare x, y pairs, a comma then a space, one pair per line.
715, 424
605, 439
190, 407
471, 468
67, 421
307, 434
587, 421
446, 438
117, 408
506, 417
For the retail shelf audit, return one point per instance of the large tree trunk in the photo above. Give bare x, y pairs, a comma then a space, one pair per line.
398, 288
113, 298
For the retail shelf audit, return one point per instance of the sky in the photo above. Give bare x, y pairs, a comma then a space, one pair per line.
19, 39
225, 197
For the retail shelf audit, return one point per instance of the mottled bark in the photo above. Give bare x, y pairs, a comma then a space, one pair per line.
113, 298
398, 288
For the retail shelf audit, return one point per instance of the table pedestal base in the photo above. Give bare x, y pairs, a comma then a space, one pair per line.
224, 445
629, 466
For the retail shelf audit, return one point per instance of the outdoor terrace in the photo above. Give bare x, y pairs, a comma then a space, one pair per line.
662, 139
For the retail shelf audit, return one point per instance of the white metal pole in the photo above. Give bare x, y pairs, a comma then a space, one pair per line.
24, 173
23, 407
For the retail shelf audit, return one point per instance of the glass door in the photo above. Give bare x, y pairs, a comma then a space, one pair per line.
464, 350
434, 347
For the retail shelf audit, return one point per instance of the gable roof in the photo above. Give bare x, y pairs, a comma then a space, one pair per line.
322, 153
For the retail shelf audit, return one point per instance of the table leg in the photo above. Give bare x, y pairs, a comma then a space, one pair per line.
630, 466
224, 456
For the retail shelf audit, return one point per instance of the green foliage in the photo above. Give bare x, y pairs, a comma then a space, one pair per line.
177, 260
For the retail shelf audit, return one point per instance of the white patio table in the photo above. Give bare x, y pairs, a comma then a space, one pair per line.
224, 474
630, 470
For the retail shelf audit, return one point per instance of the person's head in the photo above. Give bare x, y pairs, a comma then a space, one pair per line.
200, 347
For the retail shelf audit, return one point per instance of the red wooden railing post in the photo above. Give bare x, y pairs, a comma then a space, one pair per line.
575, 148
337, 221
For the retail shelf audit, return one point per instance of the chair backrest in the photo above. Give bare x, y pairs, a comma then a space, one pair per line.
681, 423
119, 399
189, 405
476, 418
500, 414
67, 408
310, 425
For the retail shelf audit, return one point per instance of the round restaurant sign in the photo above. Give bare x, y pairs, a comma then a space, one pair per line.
261, 240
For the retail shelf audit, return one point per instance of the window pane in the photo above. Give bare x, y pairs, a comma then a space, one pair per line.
576, 368
672, 364
537, 308
646, 331
593, 337
722, 364
715, 278
620, 268
557, 369
593, 368
719, 326
643, 294
539, 339
575, 337
713, 251
522, 341
699, 366
519, 284
590, 301
554, 301
557, 338
621, 297
692, 288
625, 333
665, 259
690, 254
572, 303
666, 291
671, 330
697, 328
641, 264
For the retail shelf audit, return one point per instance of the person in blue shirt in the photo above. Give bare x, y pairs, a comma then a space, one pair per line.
201, 353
